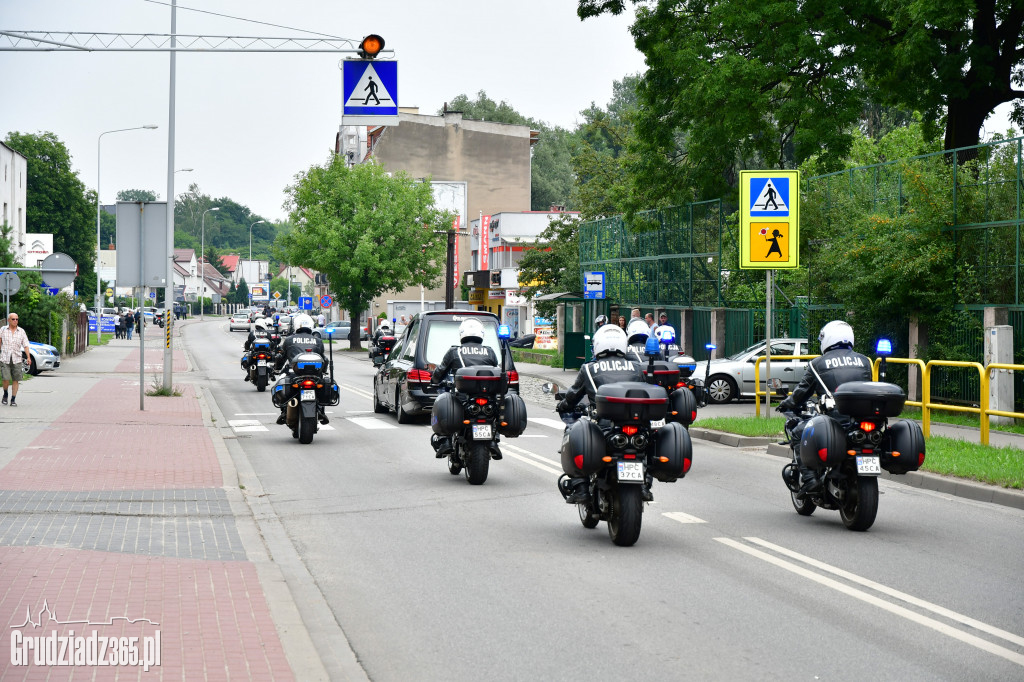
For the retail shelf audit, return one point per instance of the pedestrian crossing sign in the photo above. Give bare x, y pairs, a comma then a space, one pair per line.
769, 219
369, 90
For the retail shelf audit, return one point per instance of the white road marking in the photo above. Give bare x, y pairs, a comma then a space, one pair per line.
365, 394
358, 411
545, 421
371, 423
942, 628
531, 458
256, 414
233, 423
533, 435
683, 518
934, 608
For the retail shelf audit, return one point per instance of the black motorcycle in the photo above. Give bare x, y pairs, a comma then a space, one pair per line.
259, 363
663, 369
614, 446
305, 390
848, 446
382, 347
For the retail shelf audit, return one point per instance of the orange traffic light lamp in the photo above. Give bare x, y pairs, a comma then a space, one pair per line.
371, 46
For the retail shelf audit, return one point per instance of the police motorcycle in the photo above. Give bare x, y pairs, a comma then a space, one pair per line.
848, 440
258, 361
673, 371
614, 445
382, 343
305, 389
474, 410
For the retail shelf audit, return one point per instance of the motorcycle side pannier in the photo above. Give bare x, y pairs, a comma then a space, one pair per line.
447, 414
863, 399
906, 438
480, 380
631, 401
664, 374
279, 393
513, 421
822, 443
583, 449
682, 406
673, 444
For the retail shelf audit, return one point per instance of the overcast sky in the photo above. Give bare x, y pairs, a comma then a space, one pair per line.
247, 123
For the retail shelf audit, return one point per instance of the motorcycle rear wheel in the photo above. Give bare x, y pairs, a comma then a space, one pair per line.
587, 517
261, 382
803, 507
477, 463
306, 428
627, 515
860, 505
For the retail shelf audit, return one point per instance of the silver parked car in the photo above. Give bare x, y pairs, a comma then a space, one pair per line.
733, 376
41, 357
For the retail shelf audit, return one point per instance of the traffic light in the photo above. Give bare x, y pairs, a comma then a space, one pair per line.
371, 46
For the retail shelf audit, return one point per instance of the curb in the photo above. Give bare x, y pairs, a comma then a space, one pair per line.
732, 439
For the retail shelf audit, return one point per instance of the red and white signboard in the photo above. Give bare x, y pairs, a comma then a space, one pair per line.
485, 243
455, 269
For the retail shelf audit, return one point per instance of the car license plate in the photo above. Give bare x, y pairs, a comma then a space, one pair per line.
631, 471
657, 423
308, 394
261, 363
868, 466
481, 432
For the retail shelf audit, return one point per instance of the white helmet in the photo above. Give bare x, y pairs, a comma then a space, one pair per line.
385, 325
260, 323
302, 323
666, 333
637, 328
835, 333
609, 340
471, 330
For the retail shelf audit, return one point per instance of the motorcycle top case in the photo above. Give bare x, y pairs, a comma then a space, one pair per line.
672, 443
309, 362
631, 401
261, 344
664, 374
480, 380
583, 449
682, 406
863, 399
823, 443
513, 421
907, 439
446, 415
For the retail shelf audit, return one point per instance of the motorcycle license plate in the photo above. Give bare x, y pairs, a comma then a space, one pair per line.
261, 363
631, 471
657, 424
868, 466
481, 432
308, 394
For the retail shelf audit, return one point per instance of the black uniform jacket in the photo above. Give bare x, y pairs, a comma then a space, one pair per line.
466, 355
607, 370
835, 367
253, 335
301, 342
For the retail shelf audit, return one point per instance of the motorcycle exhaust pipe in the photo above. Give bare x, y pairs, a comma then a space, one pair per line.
294, 402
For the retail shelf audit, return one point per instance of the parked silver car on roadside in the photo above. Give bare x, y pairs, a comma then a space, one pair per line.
733, 376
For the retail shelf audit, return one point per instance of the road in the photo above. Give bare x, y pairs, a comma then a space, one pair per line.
433, 579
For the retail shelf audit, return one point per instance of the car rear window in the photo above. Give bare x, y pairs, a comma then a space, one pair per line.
442, 334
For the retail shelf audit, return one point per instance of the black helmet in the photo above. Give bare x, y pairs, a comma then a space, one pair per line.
600, 321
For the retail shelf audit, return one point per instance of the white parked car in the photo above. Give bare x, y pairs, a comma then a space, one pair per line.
239, 320
41, 357
733, 376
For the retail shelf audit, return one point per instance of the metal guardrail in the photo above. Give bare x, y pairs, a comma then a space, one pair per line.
758, 393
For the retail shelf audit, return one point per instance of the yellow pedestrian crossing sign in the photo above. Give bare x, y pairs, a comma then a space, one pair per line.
769, 219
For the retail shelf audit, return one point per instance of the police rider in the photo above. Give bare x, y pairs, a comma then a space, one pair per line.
302, 340
472, 353
259, 331
600, 321
637, 332
383, 330
837, 364
610, 365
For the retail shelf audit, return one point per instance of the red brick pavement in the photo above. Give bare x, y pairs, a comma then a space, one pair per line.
213, 621
103, 442
154, 360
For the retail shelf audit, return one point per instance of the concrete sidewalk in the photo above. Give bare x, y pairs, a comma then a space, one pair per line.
918, 479
122, 523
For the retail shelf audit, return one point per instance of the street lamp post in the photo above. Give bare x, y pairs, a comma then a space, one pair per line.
99, 245
258, 222
202, 270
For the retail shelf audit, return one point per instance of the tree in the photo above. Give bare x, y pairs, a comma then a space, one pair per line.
136, 195
57, 202
769, 84
368, 231
242, 292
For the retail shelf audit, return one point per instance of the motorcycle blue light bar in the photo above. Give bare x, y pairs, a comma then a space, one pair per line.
668, 335
710, 346
883, 347
504, 331
652, 347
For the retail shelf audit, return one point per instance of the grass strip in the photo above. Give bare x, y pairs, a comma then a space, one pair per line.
744, 426
960, 419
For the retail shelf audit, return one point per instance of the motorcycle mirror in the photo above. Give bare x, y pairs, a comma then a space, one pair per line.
549, 388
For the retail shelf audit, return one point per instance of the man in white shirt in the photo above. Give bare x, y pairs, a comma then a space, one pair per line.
13, 347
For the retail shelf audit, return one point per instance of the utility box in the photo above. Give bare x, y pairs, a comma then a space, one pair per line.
999, 349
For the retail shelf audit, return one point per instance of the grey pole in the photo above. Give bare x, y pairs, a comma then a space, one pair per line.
202, 263
142, 318
250, 251
169, 287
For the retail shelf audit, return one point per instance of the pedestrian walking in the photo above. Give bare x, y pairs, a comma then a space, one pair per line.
129, 324
119, 328
13, 349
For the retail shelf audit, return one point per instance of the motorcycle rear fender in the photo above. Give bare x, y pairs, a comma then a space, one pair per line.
308, 408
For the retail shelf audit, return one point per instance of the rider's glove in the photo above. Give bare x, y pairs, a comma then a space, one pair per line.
563, 407
786, 406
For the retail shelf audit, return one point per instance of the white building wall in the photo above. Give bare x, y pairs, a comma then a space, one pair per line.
13, 187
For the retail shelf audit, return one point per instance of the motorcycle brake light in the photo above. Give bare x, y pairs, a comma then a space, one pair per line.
629, 430
629, 457
308, 383
867, 427
481, 401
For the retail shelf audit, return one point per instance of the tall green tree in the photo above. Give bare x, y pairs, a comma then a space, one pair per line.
550, 174
553, 265
136, 195
368, 231
57, 201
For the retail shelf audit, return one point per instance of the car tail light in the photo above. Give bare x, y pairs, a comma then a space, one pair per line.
418, 376
513, 377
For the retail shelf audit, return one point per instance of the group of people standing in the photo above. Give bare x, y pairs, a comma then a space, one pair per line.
125, 325
635, 315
